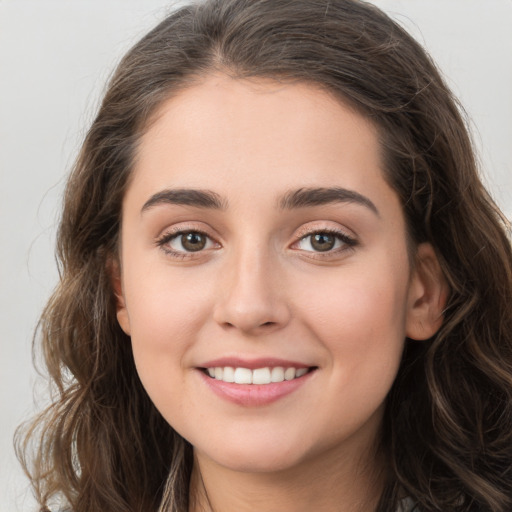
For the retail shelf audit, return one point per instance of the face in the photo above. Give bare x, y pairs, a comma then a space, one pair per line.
264, 273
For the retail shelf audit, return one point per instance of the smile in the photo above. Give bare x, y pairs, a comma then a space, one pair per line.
257, 382
257, 376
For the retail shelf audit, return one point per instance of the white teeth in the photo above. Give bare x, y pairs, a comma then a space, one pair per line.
261, 376
243, 376
265, 375
277, 374
229, 374
289, 374
300, 372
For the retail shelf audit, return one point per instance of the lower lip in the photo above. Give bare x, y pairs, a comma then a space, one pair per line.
254, 395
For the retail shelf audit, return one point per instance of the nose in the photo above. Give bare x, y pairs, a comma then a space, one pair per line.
252, 295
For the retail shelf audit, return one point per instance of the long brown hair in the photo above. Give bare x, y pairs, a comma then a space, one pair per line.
447, 432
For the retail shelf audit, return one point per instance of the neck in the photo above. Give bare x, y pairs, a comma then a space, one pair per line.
331, 483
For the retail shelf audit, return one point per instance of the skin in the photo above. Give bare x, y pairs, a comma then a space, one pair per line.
260, 289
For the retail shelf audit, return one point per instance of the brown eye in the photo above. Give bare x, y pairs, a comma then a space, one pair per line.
193, 241
185, 242
325, 241
322, 241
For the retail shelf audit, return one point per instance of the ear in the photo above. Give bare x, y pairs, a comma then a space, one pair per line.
428, 293
114, 271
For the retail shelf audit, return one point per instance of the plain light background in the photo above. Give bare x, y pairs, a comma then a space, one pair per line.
55, 57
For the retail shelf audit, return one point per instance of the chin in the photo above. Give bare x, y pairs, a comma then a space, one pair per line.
254, 456
255, 463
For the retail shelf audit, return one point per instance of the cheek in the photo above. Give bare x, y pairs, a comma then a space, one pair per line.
166, 315
164, 328
360, 320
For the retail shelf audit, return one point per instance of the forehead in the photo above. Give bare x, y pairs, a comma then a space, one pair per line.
261, 135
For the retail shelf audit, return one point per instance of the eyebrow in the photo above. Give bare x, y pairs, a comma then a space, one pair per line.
308, 197
294, 199
187, 197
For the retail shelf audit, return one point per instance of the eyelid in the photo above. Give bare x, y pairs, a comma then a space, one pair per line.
175, 231
349, 241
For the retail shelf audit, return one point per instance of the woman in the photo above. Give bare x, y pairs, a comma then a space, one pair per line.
283, 285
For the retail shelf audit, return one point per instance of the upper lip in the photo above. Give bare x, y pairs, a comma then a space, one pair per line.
252, 364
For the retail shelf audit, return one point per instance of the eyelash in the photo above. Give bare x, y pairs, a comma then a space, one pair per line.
167, 237
349, 243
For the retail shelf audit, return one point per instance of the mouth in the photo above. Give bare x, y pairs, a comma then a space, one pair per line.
257, 376
256, 382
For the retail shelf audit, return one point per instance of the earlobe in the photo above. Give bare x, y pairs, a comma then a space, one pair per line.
428, 294
114, 270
